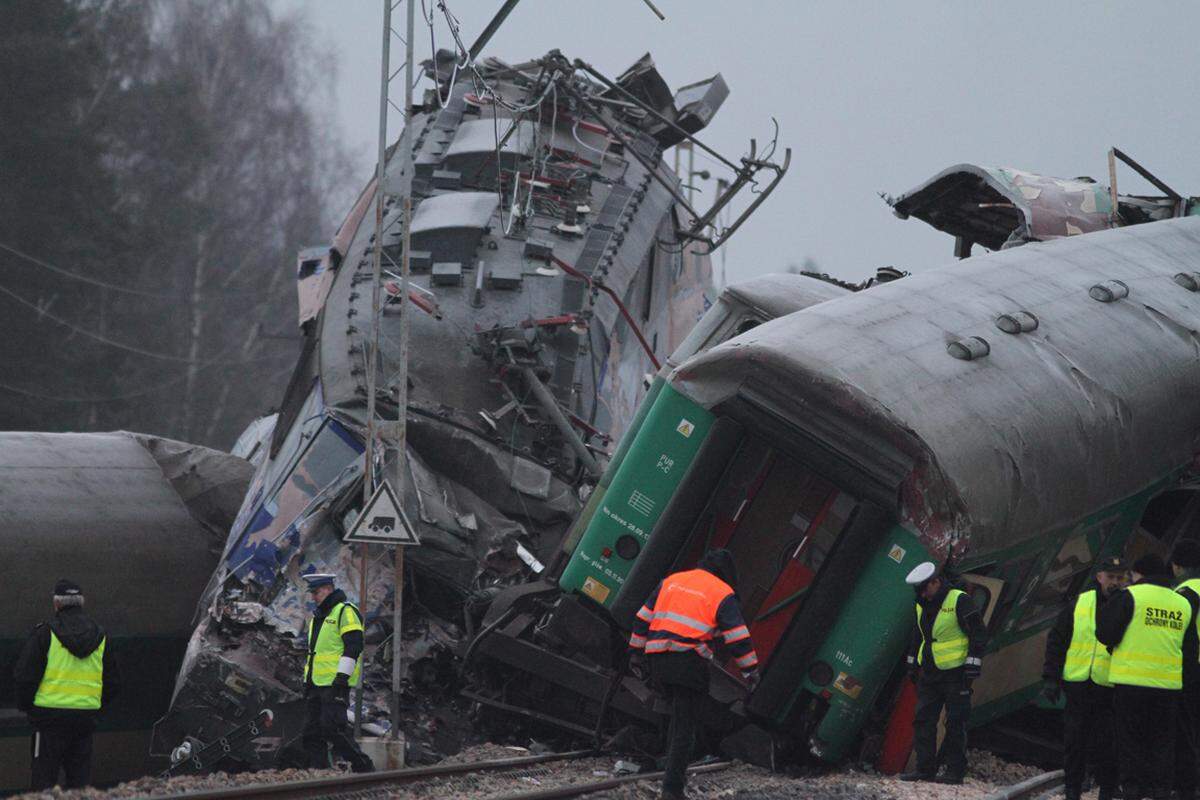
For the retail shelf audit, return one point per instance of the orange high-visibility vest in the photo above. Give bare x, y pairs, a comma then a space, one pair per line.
687, 608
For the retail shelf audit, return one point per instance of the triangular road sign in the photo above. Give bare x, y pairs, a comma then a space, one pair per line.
383, 521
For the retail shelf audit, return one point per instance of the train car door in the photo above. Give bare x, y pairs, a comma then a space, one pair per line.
780, 520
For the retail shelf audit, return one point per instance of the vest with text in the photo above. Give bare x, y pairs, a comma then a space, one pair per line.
949, 644
323, 658
1151, 651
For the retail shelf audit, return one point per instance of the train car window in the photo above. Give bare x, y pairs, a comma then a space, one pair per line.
1071, 569
1012, 575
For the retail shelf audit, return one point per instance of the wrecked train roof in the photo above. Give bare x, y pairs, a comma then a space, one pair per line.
1095, 404
1001, 207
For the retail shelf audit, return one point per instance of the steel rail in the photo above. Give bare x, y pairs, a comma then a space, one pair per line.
1030, 787
345, 784
582, 789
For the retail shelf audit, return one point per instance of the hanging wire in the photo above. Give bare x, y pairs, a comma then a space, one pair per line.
78, 277
112, 398
99, 337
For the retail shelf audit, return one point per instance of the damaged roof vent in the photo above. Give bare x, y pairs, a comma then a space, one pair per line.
1189, 281
1017, 322
1108, 291
969, 349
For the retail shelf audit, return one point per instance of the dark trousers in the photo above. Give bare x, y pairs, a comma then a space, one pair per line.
1146, 739
937, 690
681, 737
62, 746
1088, 730
326, 728
1187, 742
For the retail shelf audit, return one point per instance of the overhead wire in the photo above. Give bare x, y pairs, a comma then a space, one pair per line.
76, 276
99, 337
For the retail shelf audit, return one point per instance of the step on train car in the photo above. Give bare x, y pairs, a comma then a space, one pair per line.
1028, 411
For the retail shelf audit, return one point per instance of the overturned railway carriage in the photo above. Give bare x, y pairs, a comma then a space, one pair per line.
835, 448
138, 521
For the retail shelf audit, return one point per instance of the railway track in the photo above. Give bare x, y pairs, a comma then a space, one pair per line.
1030, 788
442, 780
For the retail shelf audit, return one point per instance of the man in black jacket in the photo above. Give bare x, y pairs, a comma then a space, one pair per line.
1077, 664
1185, 564
1148, 628
65, 676
946, 655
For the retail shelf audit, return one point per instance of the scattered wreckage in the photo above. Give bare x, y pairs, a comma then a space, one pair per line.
555, 263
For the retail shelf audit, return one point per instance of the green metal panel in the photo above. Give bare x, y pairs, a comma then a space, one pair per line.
866, 643
649, 473
589, 509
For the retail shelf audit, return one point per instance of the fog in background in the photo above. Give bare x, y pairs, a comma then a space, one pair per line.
871, 97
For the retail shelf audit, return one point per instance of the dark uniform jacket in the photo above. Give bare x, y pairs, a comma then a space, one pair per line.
969, 619
1059, 639
1118, 612
80, 635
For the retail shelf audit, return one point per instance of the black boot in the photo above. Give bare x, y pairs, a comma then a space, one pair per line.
916, 776
954, 779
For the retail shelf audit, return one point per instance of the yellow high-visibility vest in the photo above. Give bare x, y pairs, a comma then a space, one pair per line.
323, 659
1087, 659
1151, 651
70, 681
949, 642
1194, 585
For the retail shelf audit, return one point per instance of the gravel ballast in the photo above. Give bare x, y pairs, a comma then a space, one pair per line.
739, 782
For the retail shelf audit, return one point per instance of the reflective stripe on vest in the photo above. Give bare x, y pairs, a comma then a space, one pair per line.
949, 642
1151, 651
69, 681
1087, 659
1194, 585
685, 614
323, 659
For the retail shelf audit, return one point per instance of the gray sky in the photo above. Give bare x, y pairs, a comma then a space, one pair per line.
871, 97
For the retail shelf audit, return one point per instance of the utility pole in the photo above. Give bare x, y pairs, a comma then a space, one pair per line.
393, 440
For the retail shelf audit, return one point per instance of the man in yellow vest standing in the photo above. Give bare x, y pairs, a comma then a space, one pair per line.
945, 657
1077, 665
1185, 564
64, 677
334, 664
1145, 627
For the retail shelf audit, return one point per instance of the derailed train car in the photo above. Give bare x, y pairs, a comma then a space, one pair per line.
1029, 411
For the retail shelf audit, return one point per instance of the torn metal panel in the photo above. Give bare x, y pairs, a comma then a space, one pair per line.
1041, 430
1001, 207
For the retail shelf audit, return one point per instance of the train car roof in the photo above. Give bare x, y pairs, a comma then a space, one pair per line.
1097, 403
779, 294
136, 520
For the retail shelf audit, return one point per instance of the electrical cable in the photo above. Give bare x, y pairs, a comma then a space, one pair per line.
121, 345
158, 387
83, 278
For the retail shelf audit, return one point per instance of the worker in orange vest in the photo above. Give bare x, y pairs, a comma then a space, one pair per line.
675, 628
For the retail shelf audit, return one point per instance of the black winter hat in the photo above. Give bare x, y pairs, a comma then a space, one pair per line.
720, 563
66, 588
1150, 565
1186, 554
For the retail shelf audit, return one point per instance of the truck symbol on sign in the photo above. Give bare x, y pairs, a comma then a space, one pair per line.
382, 524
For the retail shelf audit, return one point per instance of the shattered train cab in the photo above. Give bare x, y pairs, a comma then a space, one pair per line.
551, 268
1029, 412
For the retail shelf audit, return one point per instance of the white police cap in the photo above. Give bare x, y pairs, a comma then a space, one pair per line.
921, 573
318, 579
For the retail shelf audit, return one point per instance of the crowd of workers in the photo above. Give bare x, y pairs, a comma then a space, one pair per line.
1124, 654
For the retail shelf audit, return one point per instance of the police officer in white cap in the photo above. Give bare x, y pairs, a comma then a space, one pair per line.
945, 656
334, 664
